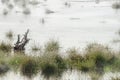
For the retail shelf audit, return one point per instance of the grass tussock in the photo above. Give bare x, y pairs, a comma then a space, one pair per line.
95, 60
53, 65
35, 48
16, 61
29, 68
5, 47
52, 46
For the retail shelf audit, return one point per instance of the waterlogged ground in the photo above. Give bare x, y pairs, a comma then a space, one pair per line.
74, 25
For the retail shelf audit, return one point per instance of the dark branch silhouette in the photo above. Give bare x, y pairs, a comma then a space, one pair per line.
20, 44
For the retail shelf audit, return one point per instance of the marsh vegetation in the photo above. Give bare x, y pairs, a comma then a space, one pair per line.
95, 60
81, 23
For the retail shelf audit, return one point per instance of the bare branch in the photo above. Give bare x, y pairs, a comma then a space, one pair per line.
20, 45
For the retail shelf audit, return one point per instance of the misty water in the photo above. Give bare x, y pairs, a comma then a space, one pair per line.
74, 24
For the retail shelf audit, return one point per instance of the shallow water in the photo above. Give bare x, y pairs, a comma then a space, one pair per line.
68, 75
82, 23
77, 25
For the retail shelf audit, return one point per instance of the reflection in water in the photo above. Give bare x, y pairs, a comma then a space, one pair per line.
67, 75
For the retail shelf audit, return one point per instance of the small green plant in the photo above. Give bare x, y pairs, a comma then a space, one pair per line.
100, 56
29, 68
5, 47
35, 48
72, 51
61, 65
74, 59
16, 60
49, 69
52, 46
116, 64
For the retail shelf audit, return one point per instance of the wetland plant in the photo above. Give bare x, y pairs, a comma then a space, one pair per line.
35, 48
29, 68
49, 69
52, 46
5, 47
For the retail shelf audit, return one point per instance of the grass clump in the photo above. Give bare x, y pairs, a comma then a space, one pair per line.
5, 47
116, 6
52, 65
26, 11
9, 35
115, 66
35, 48
52, 46
49, 69
16, 61
29, 68
75, 59
100, 55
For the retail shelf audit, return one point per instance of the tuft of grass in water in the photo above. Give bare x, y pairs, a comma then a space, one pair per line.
26, 11
5, 47
115, 66
52, 46
35, 48
100, 55
76, 60
9, 35
72, 51
61, 65
116, 6
29, 68
49, 69
52, 65
16, 60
